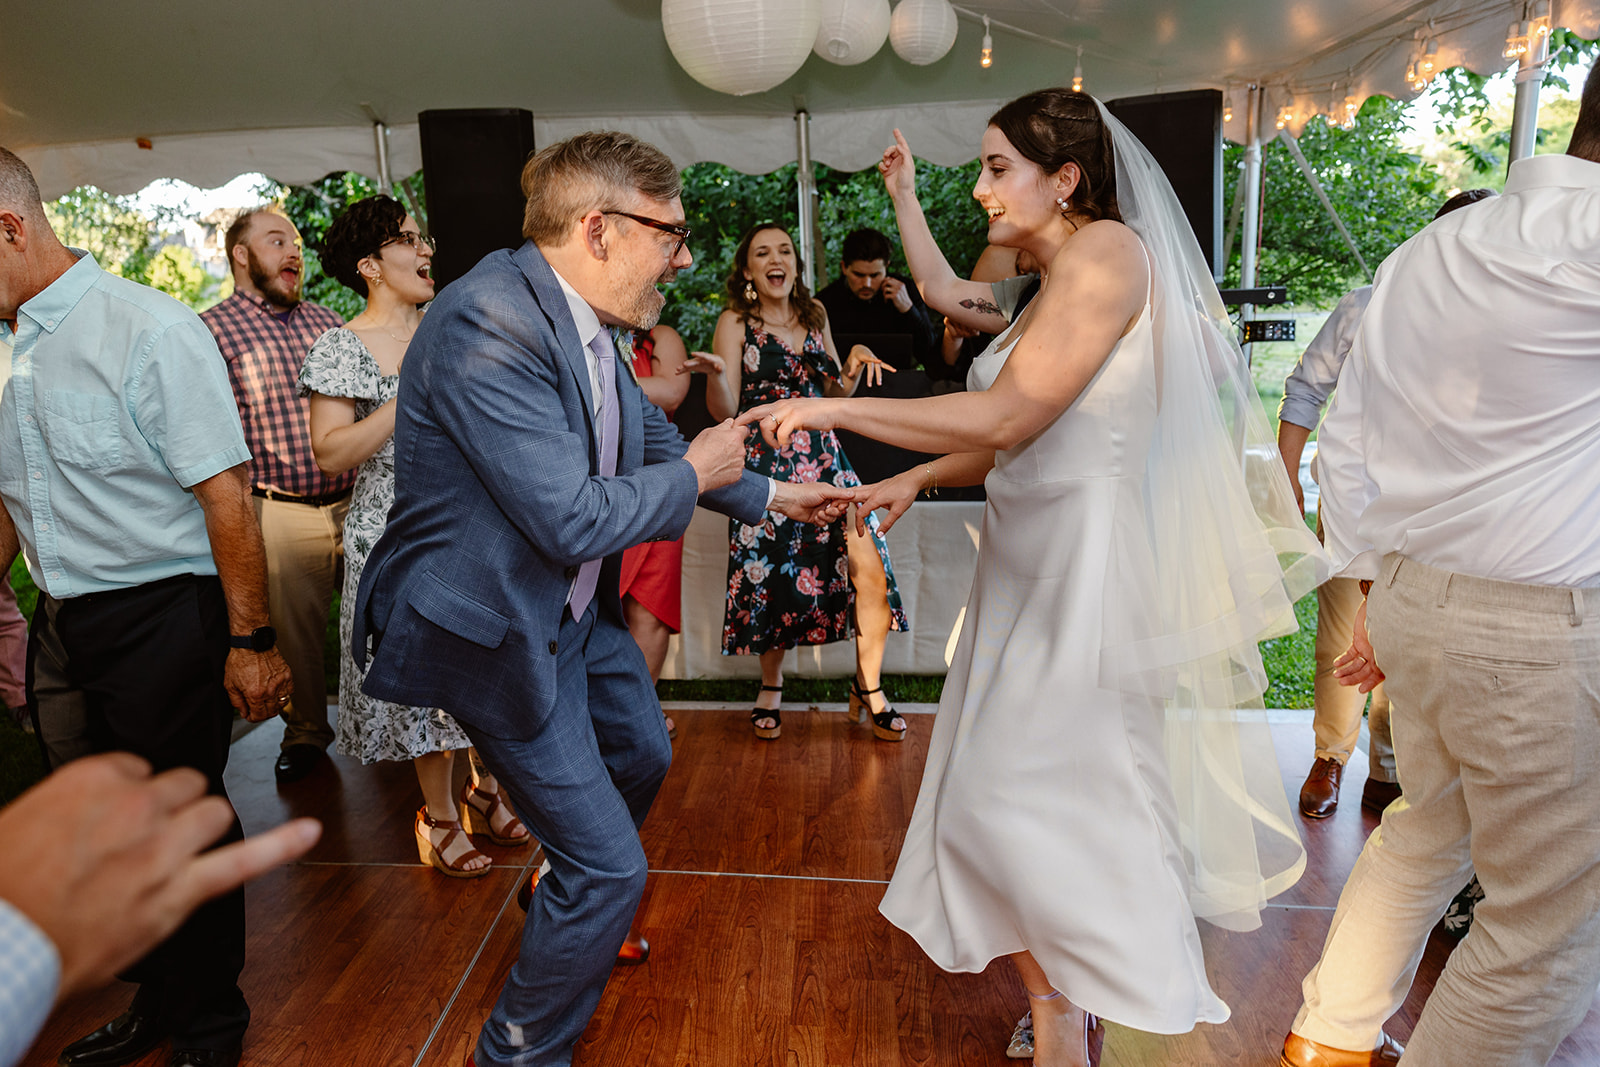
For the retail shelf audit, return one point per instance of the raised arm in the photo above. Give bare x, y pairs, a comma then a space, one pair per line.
969, 303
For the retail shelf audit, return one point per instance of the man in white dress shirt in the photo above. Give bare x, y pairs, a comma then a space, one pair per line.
1461, 478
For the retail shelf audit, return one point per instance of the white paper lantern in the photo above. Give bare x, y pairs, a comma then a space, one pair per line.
852, 31
922, 31
740, 46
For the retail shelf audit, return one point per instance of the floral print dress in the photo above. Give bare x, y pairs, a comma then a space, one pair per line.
789, 582
369, 729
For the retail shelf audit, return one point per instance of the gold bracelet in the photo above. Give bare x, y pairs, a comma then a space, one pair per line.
933, 481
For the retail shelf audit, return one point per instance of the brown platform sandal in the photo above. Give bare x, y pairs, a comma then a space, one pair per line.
433, 855
481, 820
883, 721
767, 733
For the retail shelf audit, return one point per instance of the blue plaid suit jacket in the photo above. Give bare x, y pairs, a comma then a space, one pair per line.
498, 499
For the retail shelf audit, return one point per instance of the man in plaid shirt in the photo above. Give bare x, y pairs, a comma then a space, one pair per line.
264, 331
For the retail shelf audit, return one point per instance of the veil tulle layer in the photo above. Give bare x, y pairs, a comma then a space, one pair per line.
1231, 554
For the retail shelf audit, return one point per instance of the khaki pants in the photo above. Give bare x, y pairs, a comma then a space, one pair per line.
1336, 720
1498, 754
305, 557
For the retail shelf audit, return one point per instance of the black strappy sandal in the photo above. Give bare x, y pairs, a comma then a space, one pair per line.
882, 723
767, 733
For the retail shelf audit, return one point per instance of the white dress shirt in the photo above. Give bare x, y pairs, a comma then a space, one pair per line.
1311, 382
1465, 432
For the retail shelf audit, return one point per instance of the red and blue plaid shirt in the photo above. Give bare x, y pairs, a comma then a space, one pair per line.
264, 349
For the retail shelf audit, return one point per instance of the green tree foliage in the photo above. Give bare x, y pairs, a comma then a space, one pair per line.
1383, 193
126, 241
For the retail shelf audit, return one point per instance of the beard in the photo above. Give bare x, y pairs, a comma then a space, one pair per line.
641, 307
270, 286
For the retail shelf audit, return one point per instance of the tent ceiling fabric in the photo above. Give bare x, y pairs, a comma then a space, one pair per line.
217, 90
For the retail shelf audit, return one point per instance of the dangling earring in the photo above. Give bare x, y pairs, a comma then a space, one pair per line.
750, 290
1065, 205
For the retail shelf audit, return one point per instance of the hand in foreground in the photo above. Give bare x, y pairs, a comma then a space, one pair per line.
893, 494
109, 859
862, 360
717, 454
1356, 667
818, 503
896, 293
702, 363
899, 170
258, 683
782, 418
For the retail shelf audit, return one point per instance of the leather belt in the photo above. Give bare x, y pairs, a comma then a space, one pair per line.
321, 501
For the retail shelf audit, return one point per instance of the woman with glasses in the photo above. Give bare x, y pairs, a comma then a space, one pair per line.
790, 583
352, 375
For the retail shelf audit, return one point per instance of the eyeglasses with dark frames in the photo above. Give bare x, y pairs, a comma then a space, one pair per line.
680, 232
413, 241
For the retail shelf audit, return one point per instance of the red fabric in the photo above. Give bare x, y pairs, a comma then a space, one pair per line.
652, 573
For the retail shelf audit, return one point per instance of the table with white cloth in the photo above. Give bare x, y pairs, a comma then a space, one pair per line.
934, 548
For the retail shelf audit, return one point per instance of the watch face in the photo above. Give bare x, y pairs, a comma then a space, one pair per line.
262, 638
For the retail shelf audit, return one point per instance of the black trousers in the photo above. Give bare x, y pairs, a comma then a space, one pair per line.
141, 670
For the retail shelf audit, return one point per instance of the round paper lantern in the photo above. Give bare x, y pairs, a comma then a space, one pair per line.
740, 46
922, 31
852, 31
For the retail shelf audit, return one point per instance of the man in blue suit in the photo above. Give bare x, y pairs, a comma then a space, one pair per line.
526, 461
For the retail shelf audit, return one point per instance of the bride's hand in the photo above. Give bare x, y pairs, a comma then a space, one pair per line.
895, 495
781, 419
898, 169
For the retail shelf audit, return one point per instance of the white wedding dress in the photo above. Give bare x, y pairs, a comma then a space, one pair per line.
1046, 818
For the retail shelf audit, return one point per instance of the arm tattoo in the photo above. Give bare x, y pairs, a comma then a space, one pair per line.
983, 307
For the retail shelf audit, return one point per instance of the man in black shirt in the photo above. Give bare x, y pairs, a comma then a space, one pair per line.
867, 300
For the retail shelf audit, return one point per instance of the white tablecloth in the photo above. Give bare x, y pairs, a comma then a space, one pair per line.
933, 547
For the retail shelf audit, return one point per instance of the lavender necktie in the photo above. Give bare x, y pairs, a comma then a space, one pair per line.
588, 579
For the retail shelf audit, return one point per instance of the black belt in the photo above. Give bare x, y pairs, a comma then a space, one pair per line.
321, 501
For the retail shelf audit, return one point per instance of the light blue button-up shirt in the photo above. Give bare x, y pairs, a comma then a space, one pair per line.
116, 402
30, 971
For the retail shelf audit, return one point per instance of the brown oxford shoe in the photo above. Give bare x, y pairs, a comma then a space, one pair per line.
1319, 797
1300, 1052
1376, 795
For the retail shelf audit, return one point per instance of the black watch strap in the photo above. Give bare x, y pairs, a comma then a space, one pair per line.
261, 639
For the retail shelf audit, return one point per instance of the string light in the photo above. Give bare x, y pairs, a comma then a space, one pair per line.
1077, 72
1351, 106
1227, 108
1285, 116
987, 59
1539, 27
1516, 41
1430, 60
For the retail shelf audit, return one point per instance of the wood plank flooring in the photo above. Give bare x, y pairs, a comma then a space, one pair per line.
768, 861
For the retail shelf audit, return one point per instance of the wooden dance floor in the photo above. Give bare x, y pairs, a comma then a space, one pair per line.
768, 861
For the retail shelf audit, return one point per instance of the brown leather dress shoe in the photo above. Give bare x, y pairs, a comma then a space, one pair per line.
1376, 795
1319, 797
1300, 1052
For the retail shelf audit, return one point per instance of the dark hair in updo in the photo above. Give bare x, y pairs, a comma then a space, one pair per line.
366, 226
1054, 127
808, 310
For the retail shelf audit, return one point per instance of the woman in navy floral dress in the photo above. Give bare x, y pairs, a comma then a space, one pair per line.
789, 583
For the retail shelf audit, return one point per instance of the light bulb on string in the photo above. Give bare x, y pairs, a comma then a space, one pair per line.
1430, 60
987, 59
1351, 106
1077, 72
1516, 40
1285, 116
1227, 108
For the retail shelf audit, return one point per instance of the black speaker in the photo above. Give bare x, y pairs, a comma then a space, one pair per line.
1184, 133
472, 162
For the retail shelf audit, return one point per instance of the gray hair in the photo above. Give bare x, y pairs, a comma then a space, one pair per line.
569, 179
18, 191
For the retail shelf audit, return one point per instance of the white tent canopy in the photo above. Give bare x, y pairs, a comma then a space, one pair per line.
118, 95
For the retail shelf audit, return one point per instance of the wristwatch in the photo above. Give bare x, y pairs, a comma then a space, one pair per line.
261, 639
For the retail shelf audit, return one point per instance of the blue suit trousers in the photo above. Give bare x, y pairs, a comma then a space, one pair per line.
583, 784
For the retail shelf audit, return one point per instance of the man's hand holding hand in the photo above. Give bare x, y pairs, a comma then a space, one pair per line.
717, 454
818, 503
110, 862
782, 418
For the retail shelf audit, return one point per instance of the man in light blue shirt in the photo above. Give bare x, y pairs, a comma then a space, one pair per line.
122, 479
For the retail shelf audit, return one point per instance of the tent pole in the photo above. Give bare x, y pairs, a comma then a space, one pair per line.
1252, 202
380, 137
1327, 205
1525, 112
806, 184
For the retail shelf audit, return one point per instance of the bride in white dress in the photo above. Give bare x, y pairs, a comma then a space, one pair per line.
1095, 779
